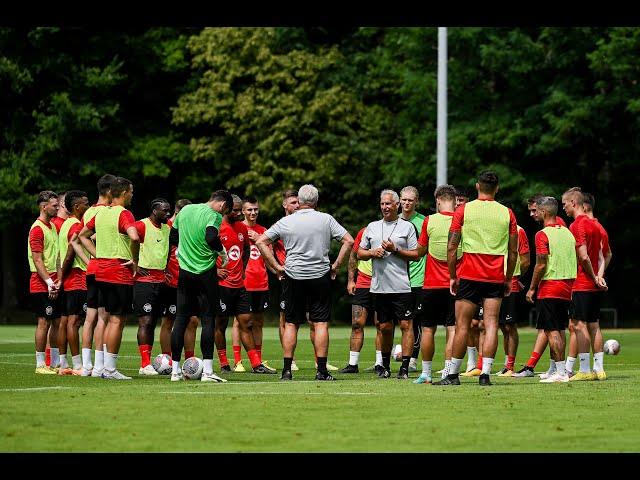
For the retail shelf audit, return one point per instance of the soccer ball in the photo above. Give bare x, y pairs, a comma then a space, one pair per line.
162, 364
192, 368
396, 353
611, 347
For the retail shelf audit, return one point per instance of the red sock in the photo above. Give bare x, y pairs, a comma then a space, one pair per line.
254, 358
222, 356
189, 354
47, 356
237, 354
259, 349
511, 360
533, 360
145, 355
479, 363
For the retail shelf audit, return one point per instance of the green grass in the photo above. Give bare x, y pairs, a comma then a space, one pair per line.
357, 413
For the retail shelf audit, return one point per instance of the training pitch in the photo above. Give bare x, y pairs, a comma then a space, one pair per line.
356, 413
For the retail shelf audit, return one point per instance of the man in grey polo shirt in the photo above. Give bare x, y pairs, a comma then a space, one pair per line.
306, 235
391, 243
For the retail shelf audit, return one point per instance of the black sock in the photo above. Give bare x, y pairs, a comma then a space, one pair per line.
386, 360
322, 364
405, 363
287, 363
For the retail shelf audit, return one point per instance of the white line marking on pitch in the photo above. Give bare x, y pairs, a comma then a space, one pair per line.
266, 393
32, 389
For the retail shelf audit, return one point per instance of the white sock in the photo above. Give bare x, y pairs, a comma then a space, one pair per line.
413, 362
454, 367
487, 363
208, 366
446, 369
472, 357
378, 357
583, 358
426, 369
110, 360
99, 360
354, 358
55, 357
63, 361
40, 359
560, 368
175, 367
76, 360
552, 366
598, 361
86, 359
569, 364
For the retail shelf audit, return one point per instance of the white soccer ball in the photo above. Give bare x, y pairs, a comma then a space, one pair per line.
611, 347
162, 364
396, 353
192, 368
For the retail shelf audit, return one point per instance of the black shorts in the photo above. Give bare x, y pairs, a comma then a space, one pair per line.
585, 306
43, 306
439, 307
94, 296
302, 296
419, 308
118, 297
169, 300
476, 292
509, 310
198, 294
75, 303
363, 298
234, 301
259, 301
147, 299
552, 314
393, 306
284, 286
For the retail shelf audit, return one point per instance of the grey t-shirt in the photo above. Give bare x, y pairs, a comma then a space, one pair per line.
390, 273
306, 235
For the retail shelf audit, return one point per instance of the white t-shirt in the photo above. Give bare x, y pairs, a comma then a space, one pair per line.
390, 273
306, 235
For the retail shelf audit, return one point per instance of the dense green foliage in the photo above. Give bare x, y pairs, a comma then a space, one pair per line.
356, 413
352, 110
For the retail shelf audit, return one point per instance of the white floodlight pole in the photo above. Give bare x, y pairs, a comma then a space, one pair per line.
442, 106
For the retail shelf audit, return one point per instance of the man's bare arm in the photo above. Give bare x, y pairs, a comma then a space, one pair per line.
452, 253
263, 243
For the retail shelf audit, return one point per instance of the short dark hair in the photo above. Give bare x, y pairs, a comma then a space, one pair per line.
223, 195
105, 182
157, 202
588, 199
462, 192
180, 204
446, 192
534, 198
289, 193
46, 195
488, 181
250, 199
120, 186
72, 198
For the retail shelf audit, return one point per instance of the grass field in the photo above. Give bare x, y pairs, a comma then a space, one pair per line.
357, 413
